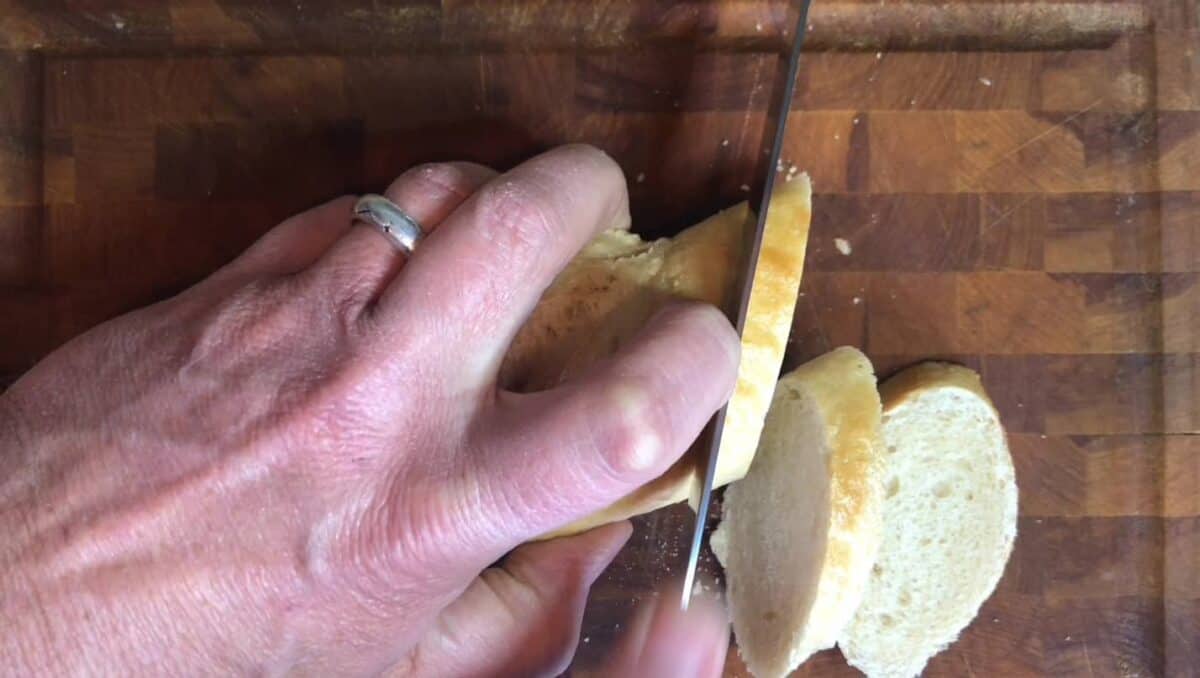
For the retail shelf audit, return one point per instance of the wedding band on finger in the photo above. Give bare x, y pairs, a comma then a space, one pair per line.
402, 230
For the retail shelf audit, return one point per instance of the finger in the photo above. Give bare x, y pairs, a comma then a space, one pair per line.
479, 277
567, 453
295, 243
665, 642
358, 265
523, 617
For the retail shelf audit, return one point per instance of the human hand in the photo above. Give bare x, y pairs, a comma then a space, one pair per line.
665, 642
303, 463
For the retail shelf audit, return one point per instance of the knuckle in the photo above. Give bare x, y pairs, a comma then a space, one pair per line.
520, 215
397, 544
348, 292
348, 279
534, 591
412, 541
637, 430
379, 551
436, 526
443, 177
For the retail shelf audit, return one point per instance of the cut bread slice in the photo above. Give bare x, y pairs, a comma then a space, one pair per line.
605, 296
800, 532
950, 517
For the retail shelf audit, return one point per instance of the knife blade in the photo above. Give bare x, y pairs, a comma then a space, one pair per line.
767, 175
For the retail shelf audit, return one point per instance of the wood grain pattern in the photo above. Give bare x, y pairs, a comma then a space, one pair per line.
1019, 182
361, 25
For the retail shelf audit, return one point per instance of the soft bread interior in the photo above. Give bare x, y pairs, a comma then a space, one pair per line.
950, 515
799, 533
773, 567
605, 296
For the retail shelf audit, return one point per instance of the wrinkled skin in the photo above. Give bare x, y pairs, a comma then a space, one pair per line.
303, 463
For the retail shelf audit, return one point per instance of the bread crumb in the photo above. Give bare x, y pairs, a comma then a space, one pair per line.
641, 177
587, 639
788, 166
855, 120
745, 188
857, 300
843, 246
878, 56
758, 26
1067, 638
724, 142
986, 82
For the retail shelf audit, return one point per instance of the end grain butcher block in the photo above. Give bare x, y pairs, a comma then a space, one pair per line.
1017, 186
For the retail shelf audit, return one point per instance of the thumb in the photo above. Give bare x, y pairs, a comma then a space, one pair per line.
665, 642
523, 616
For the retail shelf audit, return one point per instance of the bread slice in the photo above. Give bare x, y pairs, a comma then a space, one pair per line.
950, 517
800, 532
601, 300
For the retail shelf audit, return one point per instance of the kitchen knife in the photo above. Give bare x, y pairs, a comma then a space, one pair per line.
767, 176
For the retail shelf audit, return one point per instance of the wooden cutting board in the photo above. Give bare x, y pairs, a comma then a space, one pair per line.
1019, 184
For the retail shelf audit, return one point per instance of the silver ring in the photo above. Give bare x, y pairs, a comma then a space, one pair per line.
393, 222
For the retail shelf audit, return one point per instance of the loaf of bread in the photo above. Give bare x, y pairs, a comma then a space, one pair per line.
605, 296
800, 532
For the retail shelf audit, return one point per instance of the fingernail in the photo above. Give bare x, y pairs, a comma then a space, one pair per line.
641, 451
